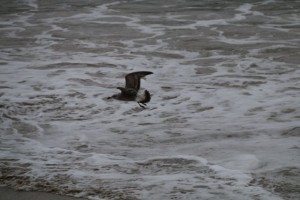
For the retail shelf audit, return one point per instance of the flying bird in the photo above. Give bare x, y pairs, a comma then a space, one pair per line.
132, 86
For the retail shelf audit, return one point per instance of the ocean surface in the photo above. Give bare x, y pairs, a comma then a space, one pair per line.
223, 122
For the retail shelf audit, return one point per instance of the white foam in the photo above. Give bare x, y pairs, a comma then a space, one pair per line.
33, 3
245, 8
202, 135
242, 162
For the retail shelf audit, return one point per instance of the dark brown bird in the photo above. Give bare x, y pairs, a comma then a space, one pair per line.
132, 86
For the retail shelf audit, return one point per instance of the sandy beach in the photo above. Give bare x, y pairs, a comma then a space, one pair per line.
10, 194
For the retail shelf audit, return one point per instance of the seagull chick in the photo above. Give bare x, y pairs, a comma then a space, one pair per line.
132, 86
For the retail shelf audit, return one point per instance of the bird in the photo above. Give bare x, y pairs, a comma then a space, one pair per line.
132, 86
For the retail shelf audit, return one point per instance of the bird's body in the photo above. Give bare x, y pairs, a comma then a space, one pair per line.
131, 89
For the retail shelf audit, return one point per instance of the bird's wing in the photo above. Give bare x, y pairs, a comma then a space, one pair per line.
146, 99
133, 80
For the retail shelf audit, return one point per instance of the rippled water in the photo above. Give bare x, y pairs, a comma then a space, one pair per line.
223, 122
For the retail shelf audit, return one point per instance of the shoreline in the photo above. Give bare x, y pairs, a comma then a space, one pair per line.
11, 194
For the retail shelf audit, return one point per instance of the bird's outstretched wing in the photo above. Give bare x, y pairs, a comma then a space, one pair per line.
146, 99
133, 80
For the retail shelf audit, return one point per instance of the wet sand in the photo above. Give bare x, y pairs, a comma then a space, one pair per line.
10, 194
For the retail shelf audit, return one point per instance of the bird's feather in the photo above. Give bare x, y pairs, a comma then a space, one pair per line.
133, 80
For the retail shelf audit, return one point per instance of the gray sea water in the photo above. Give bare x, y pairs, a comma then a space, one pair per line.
223, 121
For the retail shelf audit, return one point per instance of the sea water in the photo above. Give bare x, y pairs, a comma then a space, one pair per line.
223, 121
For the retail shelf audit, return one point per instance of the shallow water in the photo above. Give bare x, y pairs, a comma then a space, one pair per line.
223, 122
